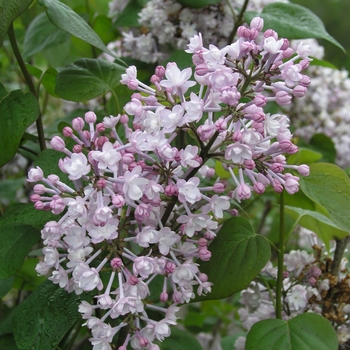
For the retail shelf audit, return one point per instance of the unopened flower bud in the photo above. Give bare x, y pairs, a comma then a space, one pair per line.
163, 297
58, 144
78, 124
219, 187
303, 170
77, 149
116, 263
67, 131
257, 23
90, 117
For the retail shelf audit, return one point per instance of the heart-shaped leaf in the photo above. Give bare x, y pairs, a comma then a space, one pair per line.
18, 110
329, 186
9, 11
238, 255
303, 332
88, 78
293, 21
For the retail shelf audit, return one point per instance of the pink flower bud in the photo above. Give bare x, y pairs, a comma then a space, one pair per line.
118, 201
133, 280
101, 183
160, 72
67, 131
260, 100
53, 179
58, 144
257, 23
269, 33
304, 64
202, 242
220, 125
35, 174
143, 342
100, 127
39, 189
299, 91
201, 69
116, 263
277, 167
124, 119
100, 141
163, 297
204, 254
249, 164
259, 188
303, 170
219, 187
39, 205
283, 98
305, 81
170, 267
78, 124
287, 52
154, 79
90, 117
35, 198
237, 136
203, 277
77, 149
285, 44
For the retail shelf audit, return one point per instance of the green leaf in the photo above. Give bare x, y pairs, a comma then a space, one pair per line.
16, 241
221, 172
9, 11
182, 59
8, 342
9, 189
324, 227
322, 63
329, 186
64, 18
43, 319
3, 91
26, 277
293, 21
40, 35
303, 332
324, 144
102, 26
304, 156
26, 214
180, 340
18, 110
49, 81
5, 286
238, 255
197, 3
129, 16
88, 78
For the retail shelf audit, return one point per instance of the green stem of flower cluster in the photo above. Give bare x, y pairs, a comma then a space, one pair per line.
281, 246
29, 81
239, 21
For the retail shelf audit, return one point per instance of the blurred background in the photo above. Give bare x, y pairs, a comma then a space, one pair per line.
335, 15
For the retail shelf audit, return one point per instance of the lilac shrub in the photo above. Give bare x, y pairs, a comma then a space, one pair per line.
144, 206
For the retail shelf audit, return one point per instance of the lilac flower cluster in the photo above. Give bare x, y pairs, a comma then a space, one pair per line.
165, 23
140, 207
